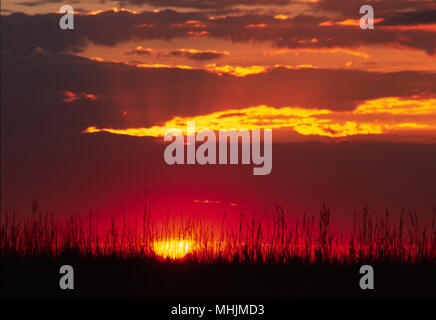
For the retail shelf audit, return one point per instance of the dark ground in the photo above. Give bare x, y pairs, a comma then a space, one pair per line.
149, 279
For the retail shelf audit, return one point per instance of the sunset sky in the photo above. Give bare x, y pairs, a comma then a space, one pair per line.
353, 111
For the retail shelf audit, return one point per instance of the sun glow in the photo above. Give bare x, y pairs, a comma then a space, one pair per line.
173, 249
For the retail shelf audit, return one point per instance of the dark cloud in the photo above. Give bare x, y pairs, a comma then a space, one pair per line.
141, 51
350, 8
42, 2
31, 3
154, 95
23, 33
194, 4
205, 4
305, 32
197, 55
409, 18
192, 54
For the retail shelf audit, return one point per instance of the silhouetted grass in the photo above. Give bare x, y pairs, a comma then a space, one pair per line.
266, 257
261, 240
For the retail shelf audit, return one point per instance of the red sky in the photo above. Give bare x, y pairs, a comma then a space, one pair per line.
353, 111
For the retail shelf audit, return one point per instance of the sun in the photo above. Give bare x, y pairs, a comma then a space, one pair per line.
173, 249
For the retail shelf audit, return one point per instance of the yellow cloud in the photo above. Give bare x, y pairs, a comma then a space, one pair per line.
375, 117
245, 71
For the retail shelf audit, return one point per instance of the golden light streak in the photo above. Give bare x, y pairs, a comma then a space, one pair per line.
259, 25
203, 51
398, 114
347, 22
239, 71
235, 70
160, 65
145, 65
116, 10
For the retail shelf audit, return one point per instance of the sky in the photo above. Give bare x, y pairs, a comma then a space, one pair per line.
353, 111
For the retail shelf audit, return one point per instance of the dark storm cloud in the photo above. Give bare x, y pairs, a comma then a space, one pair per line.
305, 32
23, 33
410, 18
197, 54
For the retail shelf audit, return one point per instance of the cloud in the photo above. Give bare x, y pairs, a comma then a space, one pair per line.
140, 51
191, 54
350, 8
148, 97
24, 33
206, 4
398, 115
71, 96
409, 18
239, 71
198, 55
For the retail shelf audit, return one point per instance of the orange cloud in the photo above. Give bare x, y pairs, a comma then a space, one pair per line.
197, 34
71, 96
280, 17
347, 22
259, 25
139, 50
422, 27
296, 51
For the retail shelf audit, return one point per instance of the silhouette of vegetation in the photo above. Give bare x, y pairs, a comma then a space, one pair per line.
372, 240
267, 257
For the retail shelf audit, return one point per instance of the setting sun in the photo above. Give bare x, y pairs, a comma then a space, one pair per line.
173, 249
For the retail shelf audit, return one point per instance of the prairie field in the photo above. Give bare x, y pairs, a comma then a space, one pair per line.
185, 257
